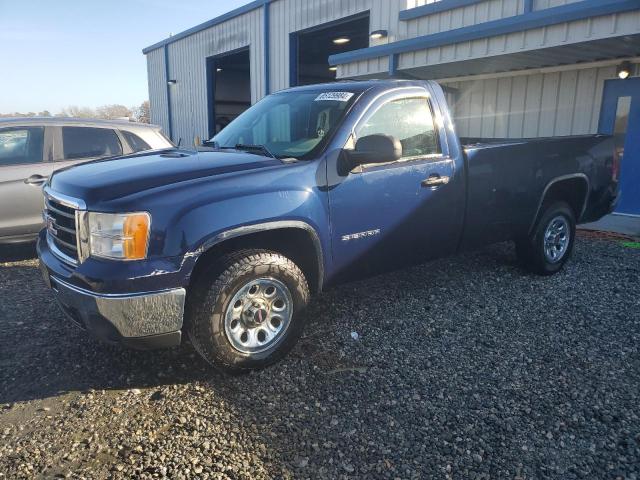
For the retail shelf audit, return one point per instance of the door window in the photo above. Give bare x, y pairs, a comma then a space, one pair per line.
620, 130
87, 142
21, 145
410, 120
135, 142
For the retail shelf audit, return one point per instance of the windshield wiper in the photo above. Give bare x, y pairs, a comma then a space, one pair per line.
255, 148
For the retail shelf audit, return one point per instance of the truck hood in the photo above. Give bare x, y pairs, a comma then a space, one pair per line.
104, 180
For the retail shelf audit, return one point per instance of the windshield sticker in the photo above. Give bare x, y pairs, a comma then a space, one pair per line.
335, 96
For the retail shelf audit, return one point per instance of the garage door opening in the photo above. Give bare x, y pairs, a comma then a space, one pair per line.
310, 49
229, 88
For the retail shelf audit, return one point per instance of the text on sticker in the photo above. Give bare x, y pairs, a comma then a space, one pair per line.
335, 96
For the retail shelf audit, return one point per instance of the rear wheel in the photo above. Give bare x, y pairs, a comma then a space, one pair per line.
246, 312
549, 246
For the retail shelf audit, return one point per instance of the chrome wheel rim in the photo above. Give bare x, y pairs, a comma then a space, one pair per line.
258, 315
556, 239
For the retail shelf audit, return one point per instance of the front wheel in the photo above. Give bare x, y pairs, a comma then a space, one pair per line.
247, 311
549, 246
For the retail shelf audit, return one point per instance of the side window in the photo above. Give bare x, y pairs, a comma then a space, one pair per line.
21, 145
410, 120
135, 142
87, 142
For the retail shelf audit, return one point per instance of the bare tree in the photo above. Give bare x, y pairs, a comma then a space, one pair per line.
17, 114
109, 112
142, 113
113, 111
75, 111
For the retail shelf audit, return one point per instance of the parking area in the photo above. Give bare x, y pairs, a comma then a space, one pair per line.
462, 368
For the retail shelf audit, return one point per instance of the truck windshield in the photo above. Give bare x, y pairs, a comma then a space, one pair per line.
288, 125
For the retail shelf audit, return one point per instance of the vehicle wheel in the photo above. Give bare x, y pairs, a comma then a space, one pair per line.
246, 312
551, 243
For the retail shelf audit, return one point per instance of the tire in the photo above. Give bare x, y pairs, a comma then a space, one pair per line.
272, 293
556, 218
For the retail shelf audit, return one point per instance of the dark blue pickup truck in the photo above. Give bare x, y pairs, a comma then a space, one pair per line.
310, 187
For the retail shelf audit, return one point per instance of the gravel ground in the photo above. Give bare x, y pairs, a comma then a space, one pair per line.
464, 368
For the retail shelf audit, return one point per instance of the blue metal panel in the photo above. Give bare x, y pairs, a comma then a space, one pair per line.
266, 31
393, 64
293, 59
211, 96
203, 26
436, 7
528, 6
541, 18
166, 72
629, 176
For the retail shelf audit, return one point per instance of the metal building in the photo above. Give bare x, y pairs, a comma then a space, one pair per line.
512, 68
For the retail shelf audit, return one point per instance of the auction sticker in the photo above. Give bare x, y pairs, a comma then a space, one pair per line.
335, 96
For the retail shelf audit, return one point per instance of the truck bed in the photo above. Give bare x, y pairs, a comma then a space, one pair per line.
506, 178
480, 142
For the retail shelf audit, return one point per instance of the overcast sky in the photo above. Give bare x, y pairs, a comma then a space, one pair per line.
56, 53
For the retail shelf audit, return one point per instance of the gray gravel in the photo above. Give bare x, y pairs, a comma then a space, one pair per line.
463, 368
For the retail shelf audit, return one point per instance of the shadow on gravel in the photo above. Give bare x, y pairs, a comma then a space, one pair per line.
43, 355
17, 252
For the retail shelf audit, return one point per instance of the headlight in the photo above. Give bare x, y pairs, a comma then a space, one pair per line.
123, 236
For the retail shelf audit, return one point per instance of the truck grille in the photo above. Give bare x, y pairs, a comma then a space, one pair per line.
61, 228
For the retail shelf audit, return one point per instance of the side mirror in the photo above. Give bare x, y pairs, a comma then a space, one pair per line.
376, 148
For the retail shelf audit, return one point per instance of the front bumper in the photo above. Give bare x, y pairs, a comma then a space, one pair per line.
139, 317
144, 320
138, 304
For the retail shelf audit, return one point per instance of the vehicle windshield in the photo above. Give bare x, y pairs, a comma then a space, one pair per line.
287, 125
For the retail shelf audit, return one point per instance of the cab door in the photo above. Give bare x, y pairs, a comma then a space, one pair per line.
24, 168
386, 215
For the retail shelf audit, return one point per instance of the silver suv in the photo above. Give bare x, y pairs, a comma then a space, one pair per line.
32, 148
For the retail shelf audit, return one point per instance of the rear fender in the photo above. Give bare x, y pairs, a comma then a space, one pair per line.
554, 189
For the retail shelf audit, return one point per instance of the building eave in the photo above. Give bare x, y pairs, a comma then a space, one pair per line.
528, 20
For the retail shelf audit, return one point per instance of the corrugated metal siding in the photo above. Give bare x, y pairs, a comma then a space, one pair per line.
452, 19
605, 26
555, 35
542, 4
288, 16
187, 65
551, 95
539, 105
157, 89
463, 16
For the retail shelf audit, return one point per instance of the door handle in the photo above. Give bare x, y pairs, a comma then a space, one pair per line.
36, 180
435, 180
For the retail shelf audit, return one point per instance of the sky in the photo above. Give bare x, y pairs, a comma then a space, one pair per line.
56, 53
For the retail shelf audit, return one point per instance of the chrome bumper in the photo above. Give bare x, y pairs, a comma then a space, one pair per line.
122, 317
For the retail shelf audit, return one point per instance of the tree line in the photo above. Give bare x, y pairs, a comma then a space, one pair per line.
140, 113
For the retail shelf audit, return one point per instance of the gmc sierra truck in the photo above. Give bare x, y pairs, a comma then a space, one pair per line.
310, 187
